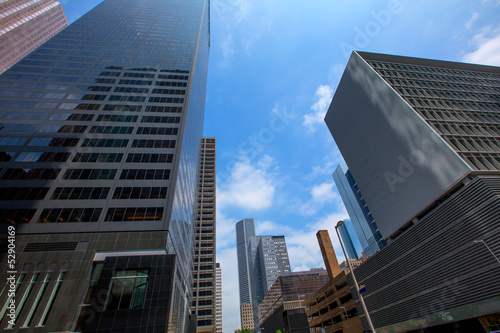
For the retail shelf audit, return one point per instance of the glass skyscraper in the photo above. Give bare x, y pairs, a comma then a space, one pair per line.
351, 240
100, 135
364, 224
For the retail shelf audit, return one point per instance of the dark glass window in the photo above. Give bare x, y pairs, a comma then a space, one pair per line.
157, 130
162, 174
127, 290
80, 193
58, 215
140, 193
149, 158
13, 216
153, 144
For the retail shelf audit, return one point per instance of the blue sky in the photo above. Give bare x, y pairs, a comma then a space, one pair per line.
274, 66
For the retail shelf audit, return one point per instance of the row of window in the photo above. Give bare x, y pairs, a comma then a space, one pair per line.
153, 144
61, 215
84, 174
98, 157
158, 174
134, 214
80, 193
149, 158
157, 130
23, 193
140, 193
13, 174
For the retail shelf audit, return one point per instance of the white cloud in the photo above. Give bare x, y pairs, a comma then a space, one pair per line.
249, 186
320, 194
324, 96
487, 48
227, 46
471, 21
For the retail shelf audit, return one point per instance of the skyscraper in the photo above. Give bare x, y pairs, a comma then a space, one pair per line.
204, 273
364, 224
421, 138
350, 239
25, 25
261, 259
100, 137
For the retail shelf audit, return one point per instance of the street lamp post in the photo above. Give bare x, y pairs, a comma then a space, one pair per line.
363, 305
346, 317
482, 241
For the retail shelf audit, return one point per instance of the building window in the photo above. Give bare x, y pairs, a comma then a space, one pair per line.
127, 290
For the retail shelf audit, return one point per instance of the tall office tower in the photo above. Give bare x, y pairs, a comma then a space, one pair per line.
361, 217
350, 240
204, 273
100, 138
261, 259
244, 230
25, 25
218, 298
422, 139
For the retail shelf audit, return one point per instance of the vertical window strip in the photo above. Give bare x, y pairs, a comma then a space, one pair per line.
27, 292
48, 307
7, 302
39, 296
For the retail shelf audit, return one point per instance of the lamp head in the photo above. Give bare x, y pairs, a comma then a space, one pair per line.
339, 223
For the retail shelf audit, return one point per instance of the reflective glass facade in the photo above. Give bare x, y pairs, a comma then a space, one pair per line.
367, 232
101, 130
350, 240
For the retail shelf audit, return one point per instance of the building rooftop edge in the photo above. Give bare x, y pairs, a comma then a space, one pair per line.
428, 62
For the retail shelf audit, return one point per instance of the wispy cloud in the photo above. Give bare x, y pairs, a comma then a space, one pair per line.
471, 21
487, 48
324, 96
320, 195
250, 186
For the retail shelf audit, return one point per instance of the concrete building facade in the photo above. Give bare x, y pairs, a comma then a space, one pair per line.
100, 138
205, 272
25, 25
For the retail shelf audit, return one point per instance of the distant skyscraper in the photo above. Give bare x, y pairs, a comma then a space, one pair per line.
205, 273
350, 239
244, 230
364, 224
422, 139
261, 259
25, 25
218, 298
100, 139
